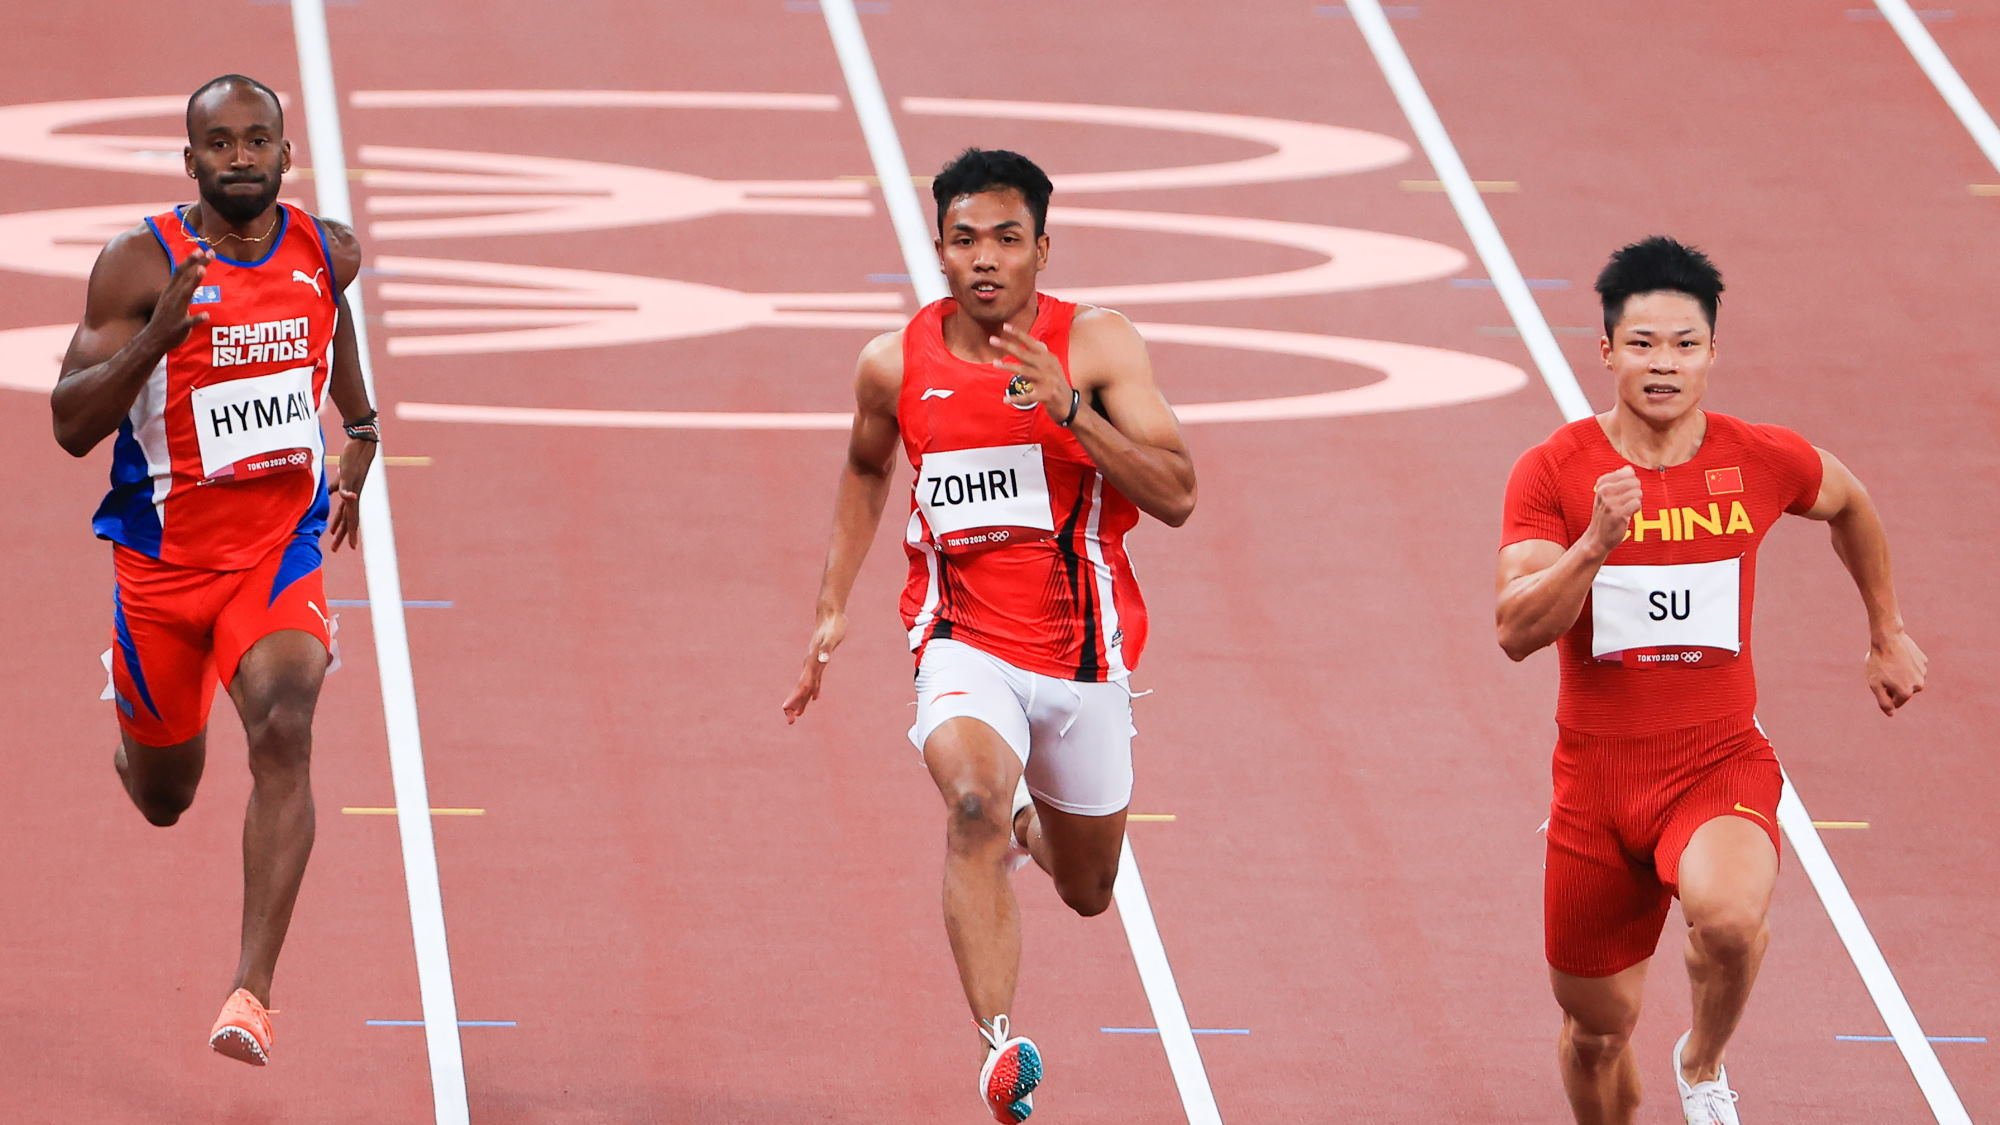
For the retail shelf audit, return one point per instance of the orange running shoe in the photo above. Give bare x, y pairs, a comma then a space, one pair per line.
243, 1030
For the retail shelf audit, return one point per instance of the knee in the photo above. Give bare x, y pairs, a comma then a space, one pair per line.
1597, 1048
977, 819
1089, 895
280, 737
163, 803
1728, 936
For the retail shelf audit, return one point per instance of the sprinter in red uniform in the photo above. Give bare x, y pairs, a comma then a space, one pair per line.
1037, 436
204, 350
1631, 542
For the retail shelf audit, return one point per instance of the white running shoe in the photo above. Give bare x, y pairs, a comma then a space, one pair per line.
1705, 1103
1013, 1069
1018, 855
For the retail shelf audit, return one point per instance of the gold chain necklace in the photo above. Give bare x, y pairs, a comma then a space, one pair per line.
244, 239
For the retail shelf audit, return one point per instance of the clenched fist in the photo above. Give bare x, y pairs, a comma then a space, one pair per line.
1618, 496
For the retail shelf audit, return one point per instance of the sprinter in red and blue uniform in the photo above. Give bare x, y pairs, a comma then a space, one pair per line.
212, 336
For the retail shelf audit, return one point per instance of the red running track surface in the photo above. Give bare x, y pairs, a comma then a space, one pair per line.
694, 913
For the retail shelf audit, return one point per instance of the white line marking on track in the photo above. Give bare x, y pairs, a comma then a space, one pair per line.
1868, 960
1170, 1016
1792, 816
913, 235
1464, 196
385, 592
864, 88
1922, 47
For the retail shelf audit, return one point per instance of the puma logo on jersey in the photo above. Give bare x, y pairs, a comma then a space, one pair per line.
322, 616
300, 277
933, 392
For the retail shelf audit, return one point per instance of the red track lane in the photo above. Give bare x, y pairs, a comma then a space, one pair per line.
121, 938
697, 914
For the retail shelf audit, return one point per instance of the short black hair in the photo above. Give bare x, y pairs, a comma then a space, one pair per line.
234, 80
1654, 265
993, 169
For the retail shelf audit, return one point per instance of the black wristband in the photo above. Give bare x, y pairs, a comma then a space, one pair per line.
1075, 400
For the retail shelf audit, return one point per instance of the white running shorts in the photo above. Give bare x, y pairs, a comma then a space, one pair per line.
1074, 738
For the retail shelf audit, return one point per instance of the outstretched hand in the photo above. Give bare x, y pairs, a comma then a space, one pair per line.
827, 635
355, 461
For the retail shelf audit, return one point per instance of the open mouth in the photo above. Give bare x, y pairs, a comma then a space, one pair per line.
1661, 390
985, 290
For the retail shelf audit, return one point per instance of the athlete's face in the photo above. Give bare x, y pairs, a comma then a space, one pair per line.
1660, 351
237, 152
991, 254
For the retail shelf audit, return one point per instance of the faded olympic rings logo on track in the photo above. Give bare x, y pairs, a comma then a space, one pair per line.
451, 307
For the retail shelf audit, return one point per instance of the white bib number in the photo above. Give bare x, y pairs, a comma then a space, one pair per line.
1687, 615
253, 427
976, 499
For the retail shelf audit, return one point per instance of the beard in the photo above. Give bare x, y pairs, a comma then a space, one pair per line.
238, 207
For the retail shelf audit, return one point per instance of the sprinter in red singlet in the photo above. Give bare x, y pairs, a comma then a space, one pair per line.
1037, 436
1631, 542
203, 353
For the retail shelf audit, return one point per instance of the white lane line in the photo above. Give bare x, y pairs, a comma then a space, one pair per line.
1170, 1016
385, 593
913, 233
1798, 826
864, 89
1868, 960
1917, 38
1464, 196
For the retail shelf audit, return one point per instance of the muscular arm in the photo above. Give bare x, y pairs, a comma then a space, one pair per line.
1542, 584
1542, 589
1136, 440
121, 338
864, 476
348, 389
345, 384
1896, 667
857, 506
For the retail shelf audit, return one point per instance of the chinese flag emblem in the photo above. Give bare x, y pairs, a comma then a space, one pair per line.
1723, 482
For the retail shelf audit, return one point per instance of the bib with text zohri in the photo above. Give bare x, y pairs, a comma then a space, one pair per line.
1683, 616
252, 427
977, 499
